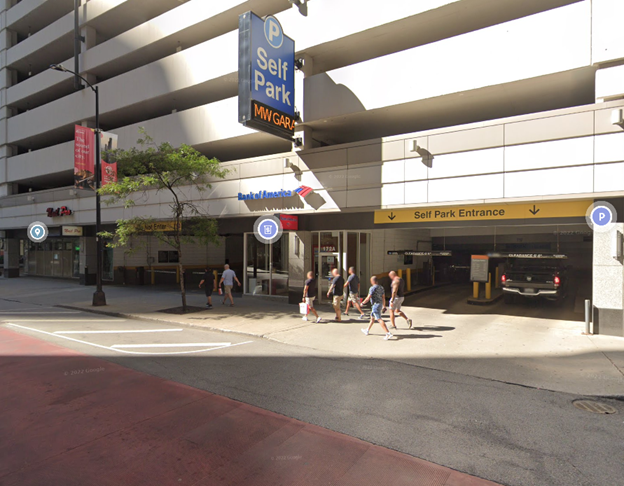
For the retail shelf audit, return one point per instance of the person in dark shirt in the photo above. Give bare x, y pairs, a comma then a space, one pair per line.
309, 294
209, 282
335, 291
353, 282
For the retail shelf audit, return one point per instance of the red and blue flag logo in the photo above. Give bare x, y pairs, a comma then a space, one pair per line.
303, 191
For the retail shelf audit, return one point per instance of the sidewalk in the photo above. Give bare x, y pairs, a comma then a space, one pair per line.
540, 353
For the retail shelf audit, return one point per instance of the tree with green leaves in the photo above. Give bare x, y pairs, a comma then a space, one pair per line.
175, 171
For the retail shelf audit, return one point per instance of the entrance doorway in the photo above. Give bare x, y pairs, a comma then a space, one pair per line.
341, 250
266, 266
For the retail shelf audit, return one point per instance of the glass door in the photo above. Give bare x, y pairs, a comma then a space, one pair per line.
266, 266
329, 261
258, 267
279, 266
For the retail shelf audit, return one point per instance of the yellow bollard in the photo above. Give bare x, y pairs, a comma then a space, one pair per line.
408, 278
475, 290
488, 287
400, 273
497, 283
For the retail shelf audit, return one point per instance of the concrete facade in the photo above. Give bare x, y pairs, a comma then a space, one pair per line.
507, 104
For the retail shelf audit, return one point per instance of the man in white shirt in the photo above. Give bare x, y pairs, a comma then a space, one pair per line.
227, 279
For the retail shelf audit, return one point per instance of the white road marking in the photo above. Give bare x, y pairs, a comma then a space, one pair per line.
121, 350
39, 312
68, 321
177, 345
121, 331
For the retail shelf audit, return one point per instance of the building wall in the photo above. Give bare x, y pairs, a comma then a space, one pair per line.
608, 291
564, 154
149, 246
149, 59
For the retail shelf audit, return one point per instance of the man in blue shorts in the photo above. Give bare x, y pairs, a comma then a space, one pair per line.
377, 297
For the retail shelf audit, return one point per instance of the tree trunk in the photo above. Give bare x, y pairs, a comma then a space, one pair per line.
182, 286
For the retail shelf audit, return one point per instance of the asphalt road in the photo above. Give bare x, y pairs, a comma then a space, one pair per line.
505, 433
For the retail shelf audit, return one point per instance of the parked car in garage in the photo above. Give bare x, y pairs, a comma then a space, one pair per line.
535, 276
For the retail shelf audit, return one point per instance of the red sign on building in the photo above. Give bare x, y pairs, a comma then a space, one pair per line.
289, 222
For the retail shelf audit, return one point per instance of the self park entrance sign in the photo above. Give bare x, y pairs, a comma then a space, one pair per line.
266, 76
483, 212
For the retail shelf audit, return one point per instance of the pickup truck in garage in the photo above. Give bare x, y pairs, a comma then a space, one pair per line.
533, 276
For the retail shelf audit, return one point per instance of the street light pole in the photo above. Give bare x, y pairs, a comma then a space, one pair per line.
99, 298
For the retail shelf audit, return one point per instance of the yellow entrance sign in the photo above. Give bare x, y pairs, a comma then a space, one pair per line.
159, 226
477, 212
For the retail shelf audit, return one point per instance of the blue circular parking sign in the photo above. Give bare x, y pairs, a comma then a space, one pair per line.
273, 32
601, 216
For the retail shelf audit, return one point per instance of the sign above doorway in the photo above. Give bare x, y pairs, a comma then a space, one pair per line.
481, 212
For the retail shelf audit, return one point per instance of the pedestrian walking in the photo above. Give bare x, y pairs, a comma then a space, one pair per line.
309, 294
227, 279
353, 283
377, 297
210, 284
397, 298
335, 292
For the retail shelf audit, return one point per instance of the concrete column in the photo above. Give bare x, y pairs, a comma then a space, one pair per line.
88, 260
89, 35
306, 133
11, 258
7, 79
608, 285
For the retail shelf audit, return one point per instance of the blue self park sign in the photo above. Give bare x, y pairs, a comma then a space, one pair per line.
266, 76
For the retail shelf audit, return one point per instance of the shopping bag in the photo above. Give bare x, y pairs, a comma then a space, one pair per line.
303, 308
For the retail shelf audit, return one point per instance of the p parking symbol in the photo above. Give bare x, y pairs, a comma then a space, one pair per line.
601, 216
273, 32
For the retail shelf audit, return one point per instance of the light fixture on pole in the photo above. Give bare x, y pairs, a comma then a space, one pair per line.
99, 298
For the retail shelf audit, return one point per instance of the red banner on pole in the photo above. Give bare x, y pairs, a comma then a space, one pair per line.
84, 158
109, 172
109, 167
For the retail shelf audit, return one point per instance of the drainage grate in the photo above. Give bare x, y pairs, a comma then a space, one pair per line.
594, 407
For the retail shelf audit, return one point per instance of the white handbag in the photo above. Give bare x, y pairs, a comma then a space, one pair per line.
303, 308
